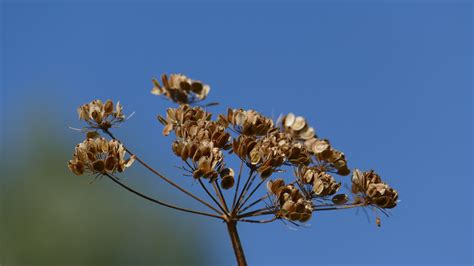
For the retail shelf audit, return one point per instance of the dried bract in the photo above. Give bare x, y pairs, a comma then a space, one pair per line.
99, 156
181, 89
101, 115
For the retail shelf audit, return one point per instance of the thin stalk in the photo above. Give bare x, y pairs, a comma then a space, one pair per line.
259, 221
251, 194
219, 193
163, 177
212, 197
237, 204
337, 207
255, 202
240, 203
237, 186
262, 211
236, 244
160, 202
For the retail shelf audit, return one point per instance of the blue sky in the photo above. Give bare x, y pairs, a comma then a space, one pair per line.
390, 84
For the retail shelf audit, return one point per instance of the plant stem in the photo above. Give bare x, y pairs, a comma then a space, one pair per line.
236, 244
160, 202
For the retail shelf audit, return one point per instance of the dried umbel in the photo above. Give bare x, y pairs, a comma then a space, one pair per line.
322, 183
101, 115
205, 144
198, 139
181, 89
205, 158
329, 158
289, 201
374, 191
176, 117
249, 122
99, 156
266, 154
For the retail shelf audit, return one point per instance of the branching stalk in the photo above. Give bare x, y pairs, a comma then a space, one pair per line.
160, 202
163, 177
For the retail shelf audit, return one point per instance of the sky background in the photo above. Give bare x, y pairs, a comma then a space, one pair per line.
390, 84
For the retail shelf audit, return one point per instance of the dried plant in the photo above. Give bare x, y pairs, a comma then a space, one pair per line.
268, 150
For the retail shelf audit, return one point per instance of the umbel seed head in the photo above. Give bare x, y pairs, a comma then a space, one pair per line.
180, 89
101, 115
99, 156
370, 186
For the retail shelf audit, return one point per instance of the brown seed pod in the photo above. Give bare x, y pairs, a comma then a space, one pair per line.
99, 115
180, 89
227, 182
340, 199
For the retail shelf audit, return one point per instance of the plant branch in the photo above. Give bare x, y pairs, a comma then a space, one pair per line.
212, 197
259, 221
160, 202
219, 193
255, 202
251, 194
242, 193
262, 211
237, 186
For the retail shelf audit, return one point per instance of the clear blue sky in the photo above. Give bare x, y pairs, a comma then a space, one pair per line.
389, 83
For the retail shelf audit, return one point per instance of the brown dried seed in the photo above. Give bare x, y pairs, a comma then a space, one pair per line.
92, 134
299, 124
289, 120
197, 174
226, 172
305, 217
110, 163
99, 166
227, 182
340, 199
108, 107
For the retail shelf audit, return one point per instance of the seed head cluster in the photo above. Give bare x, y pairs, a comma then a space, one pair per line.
290, 203
321, 183
288, 147
101, 115
180, 89
99, 156
374, 191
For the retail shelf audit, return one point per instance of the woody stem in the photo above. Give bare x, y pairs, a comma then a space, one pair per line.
236, 244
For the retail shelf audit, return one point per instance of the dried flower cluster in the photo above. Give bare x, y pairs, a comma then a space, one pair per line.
199, 140
99, 156
322, 183
374, 191
332, 159
180, 89
249, 122
290, 202
101, 115
264, 147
